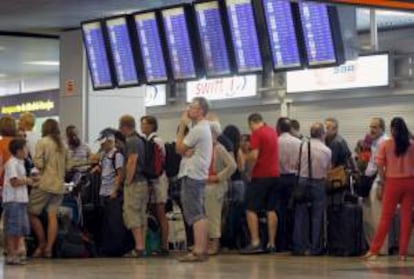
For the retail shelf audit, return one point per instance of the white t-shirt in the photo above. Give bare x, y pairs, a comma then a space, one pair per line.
14, 169
200, 140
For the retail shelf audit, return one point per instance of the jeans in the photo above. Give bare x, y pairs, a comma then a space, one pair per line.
284, 214
303, 237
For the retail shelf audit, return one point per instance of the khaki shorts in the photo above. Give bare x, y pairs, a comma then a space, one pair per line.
160, 190
135, 205
40, 200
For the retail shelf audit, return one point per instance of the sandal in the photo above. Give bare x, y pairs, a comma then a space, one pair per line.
193, 258
38, 253
370, 257
47, 254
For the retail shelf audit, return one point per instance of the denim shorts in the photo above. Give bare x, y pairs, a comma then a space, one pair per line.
192, 198
16, 219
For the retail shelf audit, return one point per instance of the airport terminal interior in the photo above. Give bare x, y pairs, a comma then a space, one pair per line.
84, 64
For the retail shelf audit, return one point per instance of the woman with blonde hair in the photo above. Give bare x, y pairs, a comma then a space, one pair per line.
51, 161
222, 167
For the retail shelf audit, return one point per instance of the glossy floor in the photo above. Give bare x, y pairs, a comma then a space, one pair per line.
225, 266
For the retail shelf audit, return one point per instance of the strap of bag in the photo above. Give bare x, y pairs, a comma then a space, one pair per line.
309, 161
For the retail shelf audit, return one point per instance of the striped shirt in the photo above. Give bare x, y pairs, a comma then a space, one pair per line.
321, 157
288, 153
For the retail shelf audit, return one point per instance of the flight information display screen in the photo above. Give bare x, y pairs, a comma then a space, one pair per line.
179, 45
318, 37
151, 49
244, 35
122, 53
213, 40
282, 34
97, 55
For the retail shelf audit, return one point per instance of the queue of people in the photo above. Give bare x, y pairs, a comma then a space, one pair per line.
274, 172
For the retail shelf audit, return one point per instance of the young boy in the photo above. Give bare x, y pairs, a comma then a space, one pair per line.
15, 200
111, 168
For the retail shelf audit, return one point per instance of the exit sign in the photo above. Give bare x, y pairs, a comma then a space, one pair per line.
389, 4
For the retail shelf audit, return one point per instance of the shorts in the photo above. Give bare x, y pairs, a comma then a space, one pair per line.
192, 198
40, 200
135, 205
160, 190
16, 219
262, 194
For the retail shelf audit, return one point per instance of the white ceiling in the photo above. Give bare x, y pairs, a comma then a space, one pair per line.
53, 16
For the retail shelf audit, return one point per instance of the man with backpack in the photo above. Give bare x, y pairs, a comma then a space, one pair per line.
136, 185
158, 181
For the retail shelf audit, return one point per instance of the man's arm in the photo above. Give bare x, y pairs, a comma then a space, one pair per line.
131, 167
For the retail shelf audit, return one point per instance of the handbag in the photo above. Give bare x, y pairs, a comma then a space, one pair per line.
301, 193
336, 178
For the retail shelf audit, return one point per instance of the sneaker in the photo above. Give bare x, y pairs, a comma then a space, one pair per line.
13, 260
271, 250
193, 258
252, 249
135, 254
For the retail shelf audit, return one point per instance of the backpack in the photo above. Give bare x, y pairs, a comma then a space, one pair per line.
172, 160
154, 158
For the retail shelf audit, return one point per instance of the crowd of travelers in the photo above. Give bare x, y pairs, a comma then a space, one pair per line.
285, 185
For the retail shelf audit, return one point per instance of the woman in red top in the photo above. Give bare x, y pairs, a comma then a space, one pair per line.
395, 160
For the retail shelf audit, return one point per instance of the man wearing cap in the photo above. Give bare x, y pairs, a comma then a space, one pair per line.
111, 166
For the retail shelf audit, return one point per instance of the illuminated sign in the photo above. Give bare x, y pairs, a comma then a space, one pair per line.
155, 95
392, 4
223, 88
42, 104
366, 71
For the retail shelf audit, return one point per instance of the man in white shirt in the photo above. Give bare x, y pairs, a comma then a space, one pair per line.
372, 205
199, 141
288, 165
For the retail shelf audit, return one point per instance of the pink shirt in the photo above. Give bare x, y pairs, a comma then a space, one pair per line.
288, 154
321, 157
396, 167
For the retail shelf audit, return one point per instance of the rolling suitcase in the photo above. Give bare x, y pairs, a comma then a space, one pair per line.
345, 227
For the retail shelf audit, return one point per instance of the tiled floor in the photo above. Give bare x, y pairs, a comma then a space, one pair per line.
225, 266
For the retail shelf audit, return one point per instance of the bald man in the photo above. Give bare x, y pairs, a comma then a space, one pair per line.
320, 160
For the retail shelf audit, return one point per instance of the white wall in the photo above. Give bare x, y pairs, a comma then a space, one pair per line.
106, 107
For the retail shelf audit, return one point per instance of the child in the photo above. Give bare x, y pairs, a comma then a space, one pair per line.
15, 200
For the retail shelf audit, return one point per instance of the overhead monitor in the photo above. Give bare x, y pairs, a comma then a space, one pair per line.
245, 42
282, 34
122, 52
179, 44
150, 45
319, 22
213, 40
97, 54
366, 71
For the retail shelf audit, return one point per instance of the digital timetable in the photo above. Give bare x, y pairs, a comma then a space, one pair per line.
97, 55
150, 45
281, 32
317, 32
122, 53
244, 35
213, 40
179, 44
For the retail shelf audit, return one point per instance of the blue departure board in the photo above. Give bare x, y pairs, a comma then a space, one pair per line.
282, 35
319, 43
151, 48
244, 35
122, 53
97, 55
179, 45
213, 41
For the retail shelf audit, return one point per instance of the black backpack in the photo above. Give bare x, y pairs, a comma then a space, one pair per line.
172, 160
154, 158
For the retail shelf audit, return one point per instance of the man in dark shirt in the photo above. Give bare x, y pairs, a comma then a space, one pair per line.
341, 155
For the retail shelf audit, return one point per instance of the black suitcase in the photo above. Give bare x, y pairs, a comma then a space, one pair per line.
345, 227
